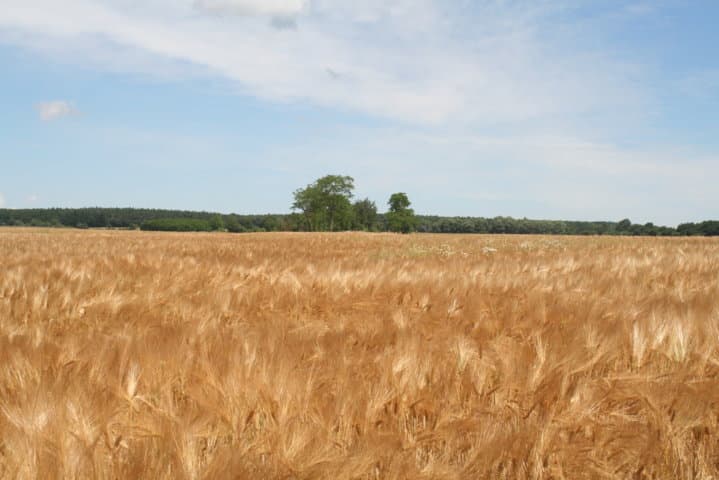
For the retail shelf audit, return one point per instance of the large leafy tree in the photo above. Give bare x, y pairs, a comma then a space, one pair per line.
325, 204
400, 217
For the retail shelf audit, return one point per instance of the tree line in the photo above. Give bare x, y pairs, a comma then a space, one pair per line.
143, 218
328, 204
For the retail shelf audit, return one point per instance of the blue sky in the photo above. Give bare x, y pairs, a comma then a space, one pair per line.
544, 109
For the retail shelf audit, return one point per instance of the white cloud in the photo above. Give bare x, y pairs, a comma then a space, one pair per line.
278, 8
420, 61
55, 110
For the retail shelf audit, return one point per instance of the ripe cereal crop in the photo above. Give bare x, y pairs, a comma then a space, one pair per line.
357, 356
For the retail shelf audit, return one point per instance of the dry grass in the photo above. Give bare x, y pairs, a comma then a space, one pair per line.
211, 356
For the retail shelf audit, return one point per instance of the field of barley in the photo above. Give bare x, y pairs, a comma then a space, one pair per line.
357, 356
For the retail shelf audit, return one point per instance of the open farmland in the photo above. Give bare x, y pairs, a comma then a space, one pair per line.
367, 356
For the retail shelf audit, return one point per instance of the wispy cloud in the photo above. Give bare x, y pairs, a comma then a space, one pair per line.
282, 13
55, 110
280, 8
422, 61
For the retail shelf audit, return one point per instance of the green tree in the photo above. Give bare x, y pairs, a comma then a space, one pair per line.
400, 217
624, 226
216, 223
233, 225
649, 229
365, 215
325, 204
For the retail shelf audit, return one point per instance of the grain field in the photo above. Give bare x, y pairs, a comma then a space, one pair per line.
357, 356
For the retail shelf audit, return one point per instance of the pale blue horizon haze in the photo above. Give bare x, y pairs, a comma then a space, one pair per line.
581, 110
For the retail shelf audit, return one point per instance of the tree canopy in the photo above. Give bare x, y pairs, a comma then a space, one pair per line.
325, 204
400, 217
365, 215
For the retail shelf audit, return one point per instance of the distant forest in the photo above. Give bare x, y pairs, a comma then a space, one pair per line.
178, 220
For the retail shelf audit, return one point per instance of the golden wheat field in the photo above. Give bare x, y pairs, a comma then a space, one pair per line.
357, 356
